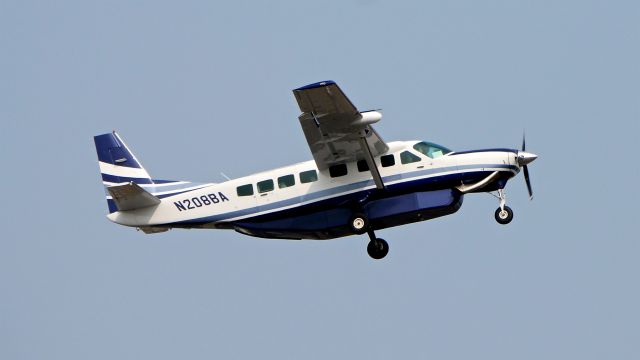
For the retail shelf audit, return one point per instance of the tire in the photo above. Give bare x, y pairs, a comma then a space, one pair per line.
504, 217
378, 248
358, 223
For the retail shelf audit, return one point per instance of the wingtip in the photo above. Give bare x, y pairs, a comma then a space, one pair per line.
316, 85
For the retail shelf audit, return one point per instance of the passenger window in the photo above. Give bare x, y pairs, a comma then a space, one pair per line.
363, 166
407, 157
245, 190
308, 176
286, 181
387, 160
338, 170
265, 186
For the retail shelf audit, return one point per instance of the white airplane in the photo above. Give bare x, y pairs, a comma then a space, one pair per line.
356, 184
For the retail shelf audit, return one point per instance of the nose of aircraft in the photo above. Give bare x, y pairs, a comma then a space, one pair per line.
525, 158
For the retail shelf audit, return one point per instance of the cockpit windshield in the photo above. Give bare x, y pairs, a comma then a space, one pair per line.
430, 149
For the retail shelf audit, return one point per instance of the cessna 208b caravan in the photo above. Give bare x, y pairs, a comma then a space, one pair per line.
355, 184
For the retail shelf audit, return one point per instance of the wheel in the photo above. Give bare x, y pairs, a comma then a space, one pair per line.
504, 216
359, 223
378, 248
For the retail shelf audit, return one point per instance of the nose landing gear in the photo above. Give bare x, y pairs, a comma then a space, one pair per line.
503, 214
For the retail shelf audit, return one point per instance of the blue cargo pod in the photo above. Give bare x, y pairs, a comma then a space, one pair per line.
413, 207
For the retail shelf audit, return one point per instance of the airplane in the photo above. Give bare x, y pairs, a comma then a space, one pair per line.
356, 183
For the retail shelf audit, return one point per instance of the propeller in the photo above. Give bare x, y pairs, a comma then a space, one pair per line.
525, 158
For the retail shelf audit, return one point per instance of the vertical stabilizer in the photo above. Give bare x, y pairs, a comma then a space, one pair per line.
118, 164
119, 168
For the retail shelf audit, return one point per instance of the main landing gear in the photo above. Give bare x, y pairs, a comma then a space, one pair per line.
377, 248
359, 224
503, 214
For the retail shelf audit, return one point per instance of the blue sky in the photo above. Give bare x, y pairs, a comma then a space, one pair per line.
197, 88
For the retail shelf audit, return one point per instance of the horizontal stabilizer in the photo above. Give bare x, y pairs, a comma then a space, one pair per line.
131, 196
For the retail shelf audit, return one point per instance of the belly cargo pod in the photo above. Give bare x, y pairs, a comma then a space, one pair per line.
413, 207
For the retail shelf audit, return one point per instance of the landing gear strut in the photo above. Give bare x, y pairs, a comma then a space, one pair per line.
503, 214
359, 223
377, 248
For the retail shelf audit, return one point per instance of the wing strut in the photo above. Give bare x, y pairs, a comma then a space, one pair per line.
370, 162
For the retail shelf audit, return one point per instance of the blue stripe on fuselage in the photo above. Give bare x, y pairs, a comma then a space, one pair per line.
341, 199
168, 189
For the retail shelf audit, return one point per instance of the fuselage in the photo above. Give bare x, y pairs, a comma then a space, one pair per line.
422, 181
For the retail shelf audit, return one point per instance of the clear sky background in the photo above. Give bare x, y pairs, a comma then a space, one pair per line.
201, 87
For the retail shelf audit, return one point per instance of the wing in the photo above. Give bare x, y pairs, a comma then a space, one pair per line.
334, 127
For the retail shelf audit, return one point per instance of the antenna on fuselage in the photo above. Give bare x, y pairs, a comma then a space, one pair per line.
225, 176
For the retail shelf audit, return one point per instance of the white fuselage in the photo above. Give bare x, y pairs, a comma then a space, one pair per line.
221, 203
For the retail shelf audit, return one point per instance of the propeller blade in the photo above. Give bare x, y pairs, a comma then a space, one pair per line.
526, 179
523, 144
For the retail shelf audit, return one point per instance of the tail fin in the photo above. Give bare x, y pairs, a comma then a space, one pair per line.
118, 164
119, 167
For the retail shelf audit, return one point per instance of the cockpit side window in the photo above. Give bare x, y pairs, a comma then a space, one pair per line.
407, 157
430, 149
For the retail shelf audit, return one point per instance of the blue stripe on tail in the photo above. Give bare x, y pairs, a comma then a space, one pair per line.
121, 179
112, 150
